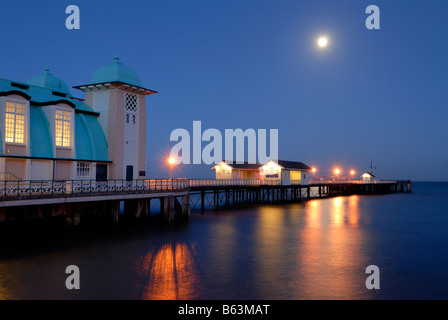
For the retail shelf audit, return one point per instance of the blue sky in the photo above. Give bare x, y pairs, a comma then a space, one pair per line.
377, 95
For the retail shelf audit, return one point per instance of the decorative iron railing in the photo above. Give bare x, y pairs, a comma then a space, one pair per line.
238, 182
27, 188
223, 182
14, 189
349, 181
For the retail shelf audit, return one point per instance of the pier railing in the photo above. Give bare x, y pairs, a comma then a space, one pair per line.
28, 188
20, 189
238, 182
349, 181
223, 182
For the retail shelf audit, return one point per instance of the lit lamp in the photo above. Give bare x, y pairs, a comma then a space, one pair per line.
352, 173
314, 170
171, 162
337, 172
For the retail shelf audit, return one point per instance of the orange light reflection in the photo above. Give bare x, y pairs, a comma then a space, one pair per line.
332, 250
171, 273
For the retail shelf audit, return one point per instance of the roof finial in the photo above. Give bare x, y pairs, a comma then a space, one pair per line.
116, 58
47, 70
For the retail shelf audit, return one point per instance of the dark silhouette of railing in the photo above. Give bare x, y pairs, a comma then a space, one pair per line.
44, 188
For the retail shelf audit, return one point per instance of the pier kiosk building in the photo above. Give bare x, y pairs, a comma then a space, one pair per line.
246, 171
271, 173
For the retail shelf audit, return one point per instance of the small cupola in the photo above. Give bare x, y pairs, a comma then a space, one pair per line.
116, 72
48, 81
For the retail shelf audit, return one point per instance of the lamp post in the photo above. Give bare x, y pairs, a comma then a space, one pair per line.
171, 162
313, 170
337, 171
352, 173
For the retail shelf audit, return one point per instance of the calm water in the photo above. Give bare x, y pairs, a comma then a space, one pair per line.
315, 250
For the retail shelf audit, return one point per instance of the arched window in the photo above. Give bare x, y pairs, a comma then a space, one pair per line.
63, 125
15, 122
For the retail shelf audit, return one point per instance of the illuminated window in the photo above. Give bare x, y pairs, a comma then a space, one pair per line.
83, 169
63, 128
15, 122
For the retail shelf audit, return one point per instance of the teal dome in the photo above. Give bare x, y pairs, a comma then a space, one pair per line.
116, 71
47, 80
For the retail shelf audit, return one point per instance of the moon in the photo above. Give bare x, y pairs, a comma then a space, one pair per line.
322, 42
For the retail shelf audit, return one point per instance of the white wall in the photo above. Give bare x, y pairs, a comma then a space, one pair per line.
271, 173
41, 170
223, 172
100, 103
130, 156
305, 177
286, 177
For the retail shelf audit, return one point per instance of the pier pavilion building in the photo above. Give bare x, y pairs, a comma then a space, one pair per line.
273, 172
48, 134
246, 171
367, 177
284, 172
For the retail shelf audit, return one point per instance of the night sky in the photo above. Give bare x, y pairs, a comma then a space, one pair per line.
371, 95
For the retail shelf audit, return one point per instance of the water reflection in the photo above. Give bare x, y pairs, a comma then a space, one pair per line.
353, 210
6, 280
270, 251
331, 256
337, 215
313, 250
169, 273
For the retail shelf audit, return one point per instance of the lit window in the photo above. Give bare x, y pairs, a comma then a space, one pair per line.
63, 128
83, 169
14, 122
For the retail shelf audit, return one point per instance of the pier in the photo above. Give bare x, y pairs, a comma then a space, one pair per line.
21, 200
231, 193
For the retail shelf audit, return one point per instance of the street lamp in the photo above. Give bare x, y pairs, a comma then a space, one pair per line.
352, 173
337, 171
171, 162
314, 170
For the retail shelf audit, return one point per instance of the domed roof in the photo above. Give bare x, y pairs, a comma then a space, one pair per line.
47, 80
116, 71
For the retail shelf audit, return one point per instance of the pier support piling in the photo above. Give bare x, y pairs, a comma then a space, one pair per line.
186, 207
168, 210
202, 201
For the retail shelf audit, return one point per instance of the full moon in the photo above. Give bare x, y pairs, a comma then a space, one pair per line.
322, 42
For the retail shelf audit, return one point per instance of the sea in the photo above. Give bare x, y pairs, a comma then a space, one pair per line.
314, 250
